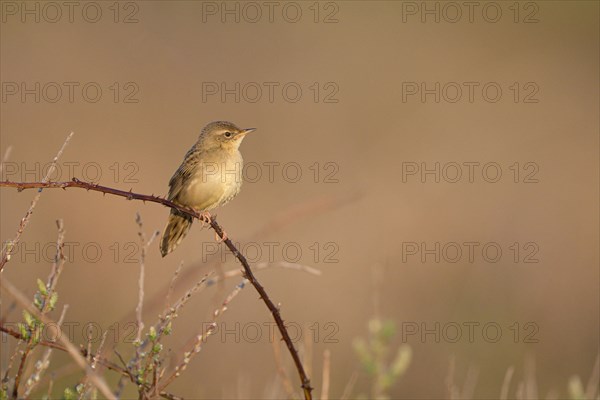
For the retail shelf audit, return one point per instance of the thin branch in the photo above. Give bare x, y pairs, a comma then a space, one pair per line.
45, 306
11, 307
97, 380
144, 246
287, 384
592, 386
172, 285
25, 220
15, 392
470, 383
248, 274
173, 311
59, 259
453, 392
349, 386
50, 386
326, 374
169, 396
10, 363
17, 335
531, 390
160, 327
307, 352
139, 308
43, 364
274, 311
93, 360
5, 157
84, 353
202, 337
506, 383
263, 265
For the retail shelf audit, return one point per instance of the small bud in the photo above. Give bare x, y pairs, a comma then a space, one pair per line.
42, 287
152, 333
23, 331
29, 319
38, 302
53, 300
168, 329
157, 348
69, 394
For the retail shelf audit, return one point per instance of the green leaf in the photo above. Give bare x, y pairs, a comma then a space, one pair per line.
29, 319
38, 301
37, 335
576, 391
385, 381
52, 301
42, 287
402, 361
69, 394
168, 329
24, 331
157, 348
140, 376
364, 354
388, 330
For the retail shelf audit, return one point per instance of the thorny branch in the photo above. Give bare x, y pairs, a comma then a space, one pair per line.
248, 274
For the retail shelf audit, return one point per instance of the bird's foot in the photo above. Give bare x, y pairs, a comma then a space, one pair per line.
205, 217
221, 239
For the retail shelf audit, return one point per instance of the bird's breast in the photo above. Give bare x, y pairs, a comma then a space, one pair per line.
214, 182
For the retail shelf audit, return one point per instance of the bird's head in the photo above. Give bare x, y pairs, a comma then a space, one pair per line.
223, 134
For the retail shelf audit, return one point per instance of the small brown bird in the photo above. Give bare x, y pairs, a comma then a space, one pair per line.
209, 176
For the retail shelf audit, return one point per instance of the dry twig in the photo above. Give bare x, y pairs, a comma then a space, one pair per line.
25, 220
326, 374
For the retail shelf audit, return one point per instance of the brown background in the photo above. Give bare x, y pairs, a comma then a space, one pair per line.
368, 213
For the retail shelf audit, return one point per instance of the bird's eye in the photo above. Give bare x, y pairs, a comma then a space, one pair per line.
227, 134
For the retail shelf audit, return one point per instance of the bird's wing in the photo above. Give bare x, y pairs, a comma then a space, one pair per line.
183, 173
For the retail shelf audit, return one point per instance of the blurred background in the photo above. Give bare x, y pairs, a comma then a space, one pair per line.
436, 162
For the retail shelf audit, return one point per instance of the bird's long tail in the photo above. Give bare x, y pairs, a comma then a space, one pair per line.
177, 227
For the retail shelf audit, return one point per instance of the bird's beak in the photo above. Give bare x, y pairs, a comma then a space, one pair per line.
247, 130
